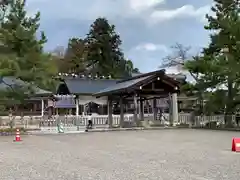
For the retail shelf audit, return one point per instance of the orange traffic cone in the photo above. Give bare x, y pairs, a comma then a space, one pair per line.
236, 144
17, 136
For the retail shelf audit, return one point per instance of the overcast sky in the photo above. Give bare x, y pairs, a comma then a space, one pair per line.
147, 27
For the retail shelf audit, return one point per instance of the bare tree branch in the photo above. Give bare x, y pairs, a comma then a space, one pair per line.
3, 9
180, 55
178, 58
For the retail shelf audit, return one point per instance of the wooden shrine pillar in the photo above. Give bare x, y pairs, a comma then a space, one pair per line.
121, 112
84, 110
154, 109
42, 107
141, 109
77, 106
174, 110
110, 112
135, 116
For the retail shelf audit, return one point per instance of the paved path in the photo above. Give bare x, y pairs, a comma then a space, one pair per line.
178, 154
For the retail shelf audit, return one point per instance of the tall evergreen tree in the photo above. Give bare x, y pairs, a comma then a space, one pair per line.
219, 67
24, 59
129, 68
226, 64
75, 56
104, 53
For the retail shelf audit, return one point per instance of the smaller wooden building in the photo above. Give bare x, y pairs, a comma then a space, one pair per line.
35, 105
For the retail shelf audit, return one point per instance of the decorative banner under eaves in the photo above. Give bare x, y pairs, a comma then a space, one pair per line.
87, 99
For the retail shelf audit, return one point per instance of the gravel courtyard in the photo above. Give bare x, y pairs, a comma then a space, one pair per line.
130, 155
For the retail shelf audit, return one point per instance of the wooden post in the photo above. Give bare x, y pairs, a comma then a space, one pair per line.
110, 112
170, 109
84, 110
77, 106
141, 109
135, 109
174, 109
154, 109
121, 112
42, 107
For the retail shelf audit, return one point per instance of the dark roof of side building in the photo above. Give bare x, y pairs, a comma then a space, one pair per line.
85, 86
5, 82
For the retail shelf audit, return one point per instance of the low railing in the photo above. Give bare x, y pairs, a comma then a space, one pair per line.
83, 120
32, 122
183, 118
28, 122
200, 121
71, 120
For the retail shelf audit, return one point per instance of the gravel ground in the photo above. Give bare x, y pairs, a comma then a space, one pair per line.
130, 155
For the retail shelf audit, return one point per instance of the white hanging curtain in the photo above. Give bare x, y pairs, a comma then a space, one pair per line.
100, 101
82, 100
87, 99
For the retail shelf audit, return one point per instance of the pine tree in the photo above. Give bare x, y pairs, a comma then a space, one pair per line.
103, 45
22, 55
129, 68
217, 66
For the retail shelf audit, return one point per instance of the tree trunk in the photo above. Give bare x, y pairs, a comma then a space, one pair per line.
229, 105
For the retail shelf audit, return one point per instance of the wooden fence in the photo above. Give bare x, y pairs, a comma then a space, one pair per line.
35, 122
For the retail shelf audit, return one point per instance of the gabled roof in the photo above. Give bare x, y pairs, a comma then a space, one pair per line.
5, 82
127, 84
175, 78
87, 86
122, 85
179, 77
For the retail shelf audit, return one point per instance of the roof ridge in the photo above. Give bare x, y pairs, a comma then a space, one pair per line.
91, 79
143, 75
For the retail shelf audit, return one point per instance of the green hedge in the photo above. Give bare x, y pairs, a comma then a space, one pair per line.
11, 130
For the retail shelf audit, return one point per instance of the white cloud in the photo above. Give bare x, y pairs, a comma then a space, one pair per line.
90, 10
140, 5
130, 16
147, 56
182, 12
152, 47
